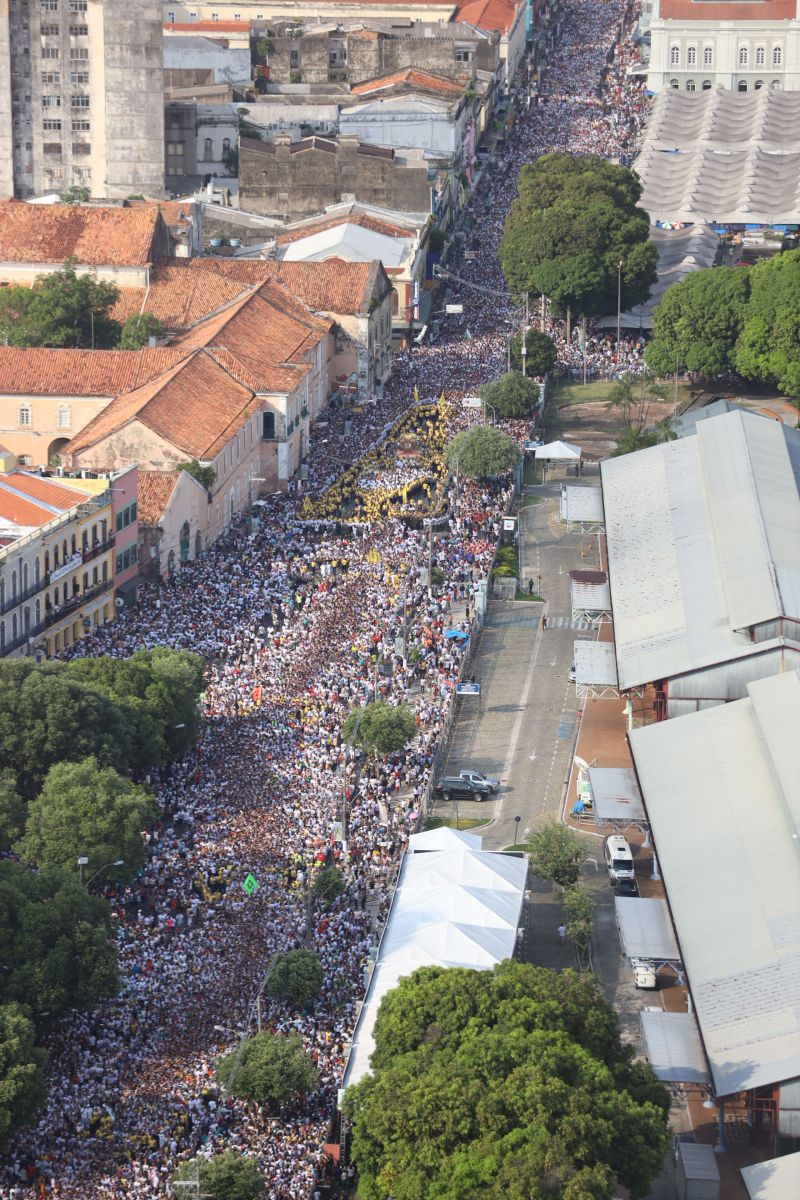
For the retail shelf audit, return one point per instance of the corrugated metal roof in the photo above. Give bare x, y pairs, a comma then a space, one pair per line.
595, 663
777, 1179
581, 503
674, 1047
615, 794
594, 597
721, 794
693, 558
645, 928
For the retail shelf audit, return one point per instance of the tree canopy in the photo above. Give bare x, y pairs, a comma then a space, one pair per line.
205, 476
85, 810
228, 1176
55, 942
521, 1084
573, 222
540, 352
137, 330
270, 1069
297, 976
557, 853
768, 347
512, 395
63, 309
22, 1089
697, 323
328, 885
482, 451
380, 728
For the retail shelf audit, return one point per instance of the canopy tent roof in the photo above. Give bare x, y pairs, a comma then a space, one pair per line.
674, 1047
558, 451
581, 503
444, 838
590, 597
720, 790
454, 907
645, 929
776, 1179
595, 664
615, 792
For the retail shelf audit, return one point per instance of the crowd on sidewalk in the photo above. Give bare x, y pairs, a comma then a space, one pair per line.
299, 621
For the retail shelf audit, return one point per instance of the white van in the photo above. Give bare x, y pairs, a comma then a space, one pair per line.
619, 860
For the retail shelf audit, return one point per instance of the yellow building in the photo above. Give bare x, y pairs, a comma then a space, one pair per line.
56, 562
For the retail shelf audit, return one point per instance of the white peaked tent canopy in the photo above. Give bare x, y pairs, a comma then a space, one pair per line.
453, 907
558, 452
445, 838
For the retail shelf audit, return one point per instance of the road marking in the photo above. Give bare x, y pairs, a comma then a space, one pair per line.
533, 756
515, 732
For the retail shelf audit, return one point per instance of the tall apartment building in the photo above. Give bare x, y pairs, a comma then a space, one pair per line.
81, 97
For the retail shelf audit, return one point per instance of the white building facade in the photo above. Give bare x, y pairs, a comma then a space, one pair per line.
741, 46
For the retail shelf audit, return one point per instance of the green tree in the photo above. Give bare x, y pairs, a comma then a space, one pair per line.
574, 221
269, 1069
698, 322
540, 352
137, 330
55, 942
380, 728
297, 976
768, 347
512, 395
22, 1090
62, 309
482, 451
328, 885
521, 1083
77, 195
579, 912
228, 1176
87, 810
557, 853
633, 439
13, 810
206, 476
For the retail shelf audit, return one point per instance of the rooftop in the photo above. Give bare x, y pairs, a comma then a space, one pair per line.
155, 490
92, 235
703, 541
496, 15
409, 79
38, 372
724, 10
29, 501
728, 774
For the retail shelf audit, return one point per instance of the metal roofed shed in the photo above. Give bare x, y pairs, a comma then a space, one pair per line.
720, 788
451, 908
582, 506
590, 598
645, 929
595, 669
615, 796
697, 1172
444, 838
674, 1048
703, 538
776, 1179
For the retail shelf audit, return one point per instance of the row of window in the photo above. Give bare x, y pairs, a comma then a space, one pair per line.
53, 125
20, 582
75, 102
50, 77
126, 516
691, 86
214, 17
743, 57
127, 558
208, 148
80, 53
74, 5
63, 416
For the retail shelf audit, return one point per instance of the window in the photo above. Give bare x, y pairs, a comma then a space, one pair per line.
52, 148
51, 77
674, 56
706, 85
742, 85
268, 425
51, 102
63, 418
462, 56
691, 57
49, 5
171, 561
708, 56
126, 516
777, 56
744, 58
24, 414
79, 125
79, 76
80, 101
215, 16
50, 52
673, 83
127, 558
761, 56
759, 83
50, 31
79, 148
51, 125
208, 150
77, 6
690, 87
79, 31
776, 85
79, 52
171, 18
226, 146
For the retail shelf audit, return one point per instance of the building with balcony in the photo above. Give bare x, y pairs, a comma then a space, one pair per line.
56, 562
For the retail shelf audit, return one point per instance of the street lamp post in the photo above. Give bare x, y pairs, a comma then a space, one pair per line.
619, 304
83, 861
516, 828
118, 862
494, 411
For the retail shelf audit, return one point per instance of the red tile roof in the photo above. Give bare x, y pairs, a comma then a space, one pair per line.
219, 27
93, 236
722, 10
496, 15
34, 507
155, 490
39, 488
365, 220
411, 77
80, 372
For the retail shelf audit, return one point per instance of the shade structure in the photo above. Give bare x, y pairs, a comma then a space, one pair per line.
645, 930
444, 838
454, 907
776, 1179
558, 451
674, 1047
615, 793
680, 251
595, 664
590, 597
582, 504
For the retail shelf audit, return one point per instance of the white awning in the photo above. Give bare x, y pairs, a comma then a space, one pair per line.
558, 451
674, 1047
777, 1179
591, 597
581, 503
615, 792
645, 930
444, 838
595, 664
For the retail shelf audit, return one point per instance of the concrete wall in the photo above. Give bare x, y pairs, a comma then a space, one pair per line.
279, 181
6, 138
34, 443
406, 122
226, 65
724, 39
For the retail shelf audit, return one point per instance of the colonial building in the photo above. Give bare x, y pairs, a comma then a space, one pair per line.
742, 46
174, 512
81, 97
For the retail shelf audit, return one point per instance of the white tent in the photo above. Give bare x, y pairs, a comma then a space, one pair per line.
444, 838
558, 452
453, 907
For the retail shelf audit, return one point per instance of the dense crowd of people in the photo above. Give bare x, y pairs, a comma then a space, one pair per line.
299, 621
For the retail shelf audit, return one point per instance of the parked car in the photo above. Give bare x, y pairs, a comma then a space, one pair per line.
453, 787
479, 778
572, 676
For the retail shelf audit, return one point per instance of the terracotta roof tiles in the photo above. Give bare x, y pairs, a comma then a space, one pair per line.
496, 15
92, 236
365, 220
80, 372
155, 490
411, 77
723, 10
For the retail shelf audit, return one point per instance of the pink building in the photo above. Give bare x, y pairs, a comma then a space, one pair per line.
125, 495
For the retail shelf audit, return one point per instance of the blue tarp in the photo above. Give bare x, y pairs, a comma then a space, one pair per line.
456, 633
